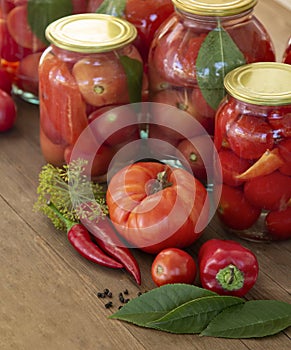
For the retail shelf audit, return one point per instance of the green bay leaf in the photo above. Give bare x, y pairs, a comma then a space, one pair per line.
255, 318
134, 74
217, 56
41, 13
194, 316
112, 7
158, 302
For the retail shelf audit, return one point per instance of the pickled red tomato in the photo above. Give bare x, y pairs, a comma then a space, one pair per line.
58, 85
53, 153
5, 81
270, 192
250, 137
279, 224
9, 49
280, 121
27, 73
20, 30
235, 210
112, 118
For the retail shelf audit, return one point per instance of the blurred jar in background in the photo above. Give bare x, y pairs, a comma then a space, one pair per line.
146, 16
253, 140
22, 38
195, 48
287, 53
90, 68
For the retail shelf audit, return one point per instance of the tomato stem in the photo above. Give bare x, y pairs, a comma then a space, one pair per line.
230, 278
160, 182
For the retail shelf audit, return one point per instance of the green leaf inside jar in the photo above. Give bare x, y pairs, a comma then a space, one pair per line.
41, 13
113, 8
217, 56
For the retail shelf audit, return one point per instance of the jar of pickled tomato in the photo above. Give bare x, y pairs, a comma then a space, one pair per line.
22, 38
90, 69
287, 53
195, 48
253, 140
146, 16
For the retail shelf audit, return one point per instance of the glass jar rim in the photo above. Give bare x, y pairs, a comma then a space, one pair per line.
90, 33
260, 83
214, 8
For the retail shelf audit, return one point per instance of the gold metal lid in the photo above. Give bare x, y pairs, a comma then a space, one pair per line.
262, 83
214, 8
90, 33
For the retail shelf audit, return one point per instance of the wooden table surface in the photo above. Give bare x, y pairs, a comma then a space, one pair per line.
48, 292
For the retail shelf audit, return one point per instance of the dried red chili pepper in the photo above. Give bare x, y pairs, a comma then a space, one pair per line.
108, 240
80, 239
226, 267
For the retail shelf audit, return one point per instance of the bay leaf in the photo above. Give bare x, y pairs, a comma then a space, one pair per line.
255, 318
40, 13
112, 7
193, 316
217, 56
134, 74
158, 302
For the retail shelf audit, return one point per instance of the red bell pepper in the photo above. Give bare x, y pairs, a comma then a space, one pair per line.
227, 268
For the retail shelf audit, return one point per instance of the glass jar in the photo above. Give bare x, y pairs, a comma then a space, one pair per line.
22, 38
287, 53
253, 140
195, 48
90, 68
146, 16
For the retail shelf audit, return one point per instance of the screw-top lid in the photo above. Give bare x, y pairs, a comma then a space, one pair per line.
90, 33
214, 8
262, 83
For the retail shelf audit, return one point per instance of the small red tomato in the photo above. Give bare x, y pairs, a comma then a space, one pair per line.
279, 224
232, 166
250, 137
270, 192
235, 211
7, 111
173, 265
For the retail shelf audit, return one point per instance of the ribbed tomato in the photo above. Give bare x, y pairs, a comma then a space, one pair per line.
154, 206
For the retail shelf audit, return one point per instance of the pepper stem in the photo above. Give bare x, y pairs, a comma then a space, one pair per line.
230, 278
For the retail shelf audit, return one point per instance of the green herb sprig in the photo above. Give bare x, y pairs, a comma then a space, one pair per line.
69, 189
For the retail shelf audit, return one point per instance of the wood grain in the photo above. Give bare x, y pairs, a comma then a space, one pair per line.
48, 292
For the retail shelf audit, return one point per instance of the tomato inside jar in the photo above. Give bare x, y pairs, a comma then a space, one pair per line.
287, 53
194, 49
22, 38
253, 140
146, 16
85, 76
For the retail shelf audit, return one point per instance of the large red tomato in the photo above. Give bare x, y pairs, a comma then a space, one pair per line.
154, 206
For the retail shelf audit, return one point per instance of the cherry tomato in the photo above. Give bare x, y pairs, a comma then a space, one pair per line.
7, 111
279, 224
173, 265
102, 81
270, 192
154, 206
5, 81
232, 166
246, 144
235, 211
27, 74
20, 30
